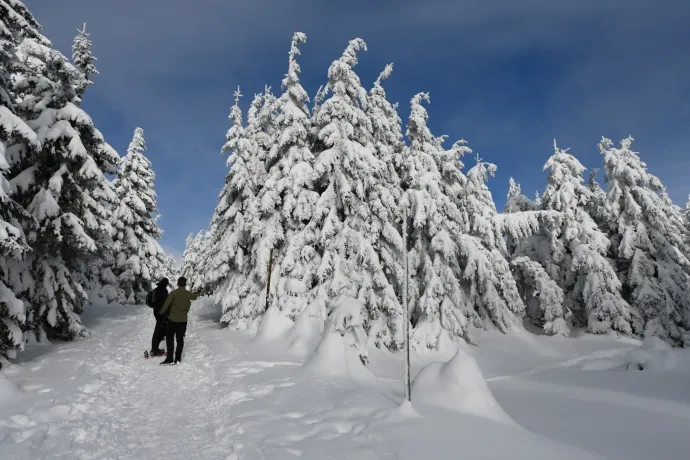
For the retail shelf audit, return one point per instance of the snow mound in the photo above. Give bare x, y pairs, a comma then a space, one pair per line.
308, 329
9, 392
291, 299
405, 412
274, 325
295, 287
654, 355
342, 352
457, 385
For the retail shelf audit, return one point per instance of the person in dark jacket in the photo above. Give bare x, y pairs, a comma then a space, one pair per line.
160, 295
176, 308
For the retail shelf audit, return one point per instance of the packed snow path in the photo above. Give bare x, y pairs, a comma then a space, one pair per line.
97, 398
108, 402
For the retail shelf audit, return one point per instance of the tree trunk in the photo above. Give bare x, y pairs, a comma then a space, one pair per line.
268, 283
406, 312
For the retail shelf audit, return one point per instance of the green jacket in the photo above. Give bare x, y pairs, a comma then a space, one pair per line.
178, 302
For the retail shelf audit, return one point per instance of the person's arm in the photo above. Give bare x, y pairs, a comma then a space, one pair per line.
160, 299
167, 302
193, 296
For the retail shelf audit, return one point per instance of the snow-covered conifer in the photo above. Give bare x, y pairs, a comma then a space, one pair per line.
646, 244
287, 200
537, 199
13, 311
61, 184
385, 199
595, 207
686, 214
487, 277
83, 59
198, 275
543, 297
191, 257
460, 273
170, 268
517, 202
344, 219
227, 224
437, 300
15, 22
573, 253
140, 258
234, 220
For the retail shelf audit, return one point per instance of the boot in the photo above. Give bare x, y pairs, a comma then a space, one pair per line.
167, 362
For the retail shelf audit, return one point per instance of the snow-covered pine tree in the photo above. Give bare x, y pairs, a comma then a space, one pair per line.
227, 223
460, 275
15, 22
437, 300
517, 202
170, 269
574, 253
140, 259
486, 272
234, 221
287, 200
676, 216
646, 244
595, 207
537, 199
101, 283
686, 214
198, 276
83, 59
185, 263
384, 201
13, 311
190, 256
544, 299
266, 234
61, 184
344, 220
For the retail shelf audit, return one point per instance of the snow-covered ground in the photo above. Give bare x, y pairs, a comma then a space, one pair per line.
555, 398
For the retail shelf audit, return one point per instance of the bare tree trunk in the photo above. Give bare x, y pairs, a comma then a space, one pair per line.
406, 312
268, 283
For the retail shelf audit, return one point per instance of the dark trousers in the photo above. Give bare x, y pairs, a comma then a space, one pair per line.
158, 334
175, 331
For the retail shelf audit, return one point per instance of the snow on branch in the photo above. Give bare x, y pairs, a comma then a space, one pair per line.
521, 225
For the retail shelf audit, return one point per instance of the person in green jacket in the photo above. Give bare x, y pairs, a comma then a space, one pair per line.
176, 308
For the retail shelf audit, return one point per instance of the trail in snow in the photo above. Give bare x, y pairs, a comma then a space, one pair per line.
108, 402
115, 379
232, 399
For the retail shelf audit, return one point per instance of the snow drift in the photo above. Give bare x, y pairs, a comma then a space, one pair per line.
342, 351
274, 325
654, 355
457, 385
308, 329
9, 392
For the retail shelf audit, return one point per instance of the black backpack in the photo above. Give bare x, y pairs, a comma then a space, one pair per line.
150, 298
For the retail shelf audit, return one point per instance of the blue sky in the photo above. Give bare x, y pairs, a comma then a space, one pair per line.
508, 76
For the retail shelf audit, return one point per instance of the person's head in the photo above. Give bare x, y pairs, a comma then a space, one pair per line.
181, 281
164, 282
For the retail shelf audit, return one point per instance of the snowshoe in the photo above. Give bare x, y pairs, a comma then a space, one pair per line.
151, 354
